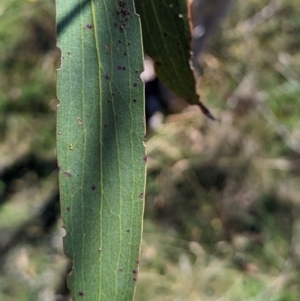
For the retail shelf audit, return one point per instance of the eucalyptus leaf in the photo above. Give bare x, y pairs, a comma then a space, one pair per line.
101, 156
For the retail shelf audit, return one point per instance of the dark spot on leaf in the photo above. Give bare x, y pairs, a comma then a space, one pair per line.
115, 24
123, 68
89, 26
120, 41
81, 293
165, 34
135, 85
145, 158
134, 271
113, 94
135, 279
106, 76
122, 4
121, 269
68, 209
136, 71
119, 67
67, 173
141, 195
128, 43
69, 52
134, 100
93, 187
128, 230
137, 262
125, 53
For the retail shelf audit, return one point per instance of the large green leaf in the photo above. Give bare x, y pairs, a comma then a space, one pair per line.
167, 40
101, 157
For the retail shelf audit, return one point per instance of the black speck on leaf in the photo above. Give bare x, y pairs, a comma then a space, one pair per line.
81, 293
134, 100
68, 209
135, 85
67, 173
122, 4
93, 187
106, 76
89, 26
145, 158
123, 68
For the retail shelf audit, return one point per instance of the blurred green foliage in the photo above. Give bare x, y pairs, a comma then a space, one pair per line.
222, 204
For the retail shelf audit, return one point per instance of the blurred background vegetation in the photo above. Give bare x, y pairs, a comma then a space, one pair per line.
222, 202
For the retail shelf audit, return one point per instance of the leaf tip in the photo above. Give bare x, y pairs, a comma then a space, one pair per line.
206, 111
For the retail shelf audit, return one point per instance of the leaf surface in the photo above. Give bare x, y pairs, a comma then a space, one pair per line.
101, 157
167, 40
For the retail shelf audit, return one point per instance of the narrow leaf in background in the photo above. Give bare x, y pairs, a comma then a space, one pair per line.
101, 157
167, 40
